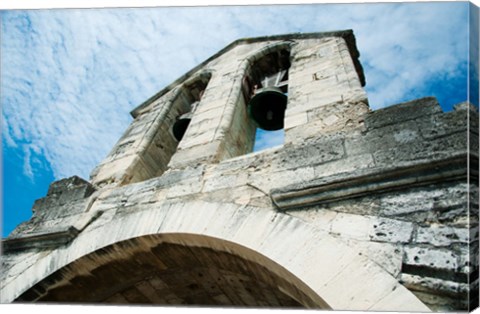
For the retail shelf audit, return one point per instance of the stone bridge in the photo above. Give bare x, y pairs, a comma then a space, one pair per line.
357, 210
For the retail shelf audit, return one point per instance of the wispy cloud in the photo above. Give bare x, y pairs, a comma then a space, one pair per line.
27, 167
266, 139
70, 77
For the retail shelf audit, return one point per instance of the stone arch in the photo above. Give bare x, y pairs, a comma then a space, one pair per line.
147, 146
323, 268
252, 59
236, 107
186, 100
173, 269
260, 53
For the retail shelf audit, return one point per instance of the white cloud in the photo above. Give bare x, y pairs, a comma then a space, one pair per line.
27, 167
267, 139
70, 77
6, 133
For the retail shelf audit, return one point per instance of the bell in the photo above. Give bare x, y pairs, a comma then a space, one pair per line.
180, 126
267, 108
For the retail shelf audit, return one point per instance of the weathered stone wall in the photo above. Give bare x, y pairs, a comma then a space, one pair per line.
325, 89
422, 229
377, 200
57, 218
146, 147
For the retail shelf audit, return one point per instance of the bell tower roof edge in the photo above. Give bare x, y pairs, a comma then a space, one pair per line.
347, 35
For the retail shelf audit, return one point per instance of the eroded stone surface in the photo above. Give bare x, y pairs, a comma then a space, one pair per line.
353, 207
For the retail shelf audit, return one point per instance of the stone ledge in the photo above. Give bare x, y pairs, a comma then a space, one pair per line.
441, 274
49, 238
40, 240
369, 181
434, 286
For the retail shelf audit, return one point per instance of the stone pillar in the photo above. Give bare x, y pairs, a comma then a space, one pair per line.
325, 91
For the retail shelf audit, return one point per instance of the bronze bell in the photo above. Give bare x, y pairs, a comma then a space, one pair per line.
267, 108
180, 126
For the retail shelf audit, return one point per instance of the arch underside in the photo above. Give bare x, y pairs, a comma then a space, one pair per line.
153, 270
203, 253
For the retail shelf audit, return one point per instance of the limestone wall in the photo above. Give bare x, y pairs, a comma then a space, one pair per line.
397, 186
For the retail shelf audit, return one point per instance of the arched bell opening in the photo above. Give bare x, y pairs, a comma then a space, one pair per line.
188, 101
175, 269
265, 89
181, 124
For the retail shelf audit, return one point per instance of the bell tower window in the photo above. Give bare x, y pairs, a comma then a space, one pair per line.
190, 99
265, 88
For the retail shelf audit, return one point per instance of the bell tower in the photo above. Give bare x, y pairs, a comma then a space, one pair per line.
306, 84
355, 210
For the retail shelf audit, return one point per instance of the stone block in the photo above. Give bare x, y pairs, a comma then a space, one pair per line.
404, 204
320, 218
433, 285
395, 299
301, 78
445, 124
280, 178
139, 126
386, 137
14, 264
128, 146
441, 303
386, 255
368, 228
64, 197
313, 103
366, 291
468, 258
205, 115
309, 131
242, 195
175, 176
309, 153
295, 120
441, 148
188, 187
214, 105
193, 156
221, 181
191, 140
112, 172
344, 165
439, 235
411, 110
439, 258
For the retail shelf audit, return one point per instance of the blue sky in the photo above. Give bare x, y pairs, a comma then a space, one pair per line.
70, 77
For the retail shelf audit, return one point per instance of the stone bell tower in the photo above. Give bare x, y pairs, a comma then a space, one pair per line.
320, 74
356, 210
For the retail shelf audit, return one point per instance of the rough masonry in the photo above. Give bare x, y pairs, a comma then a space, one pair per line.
357, 210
